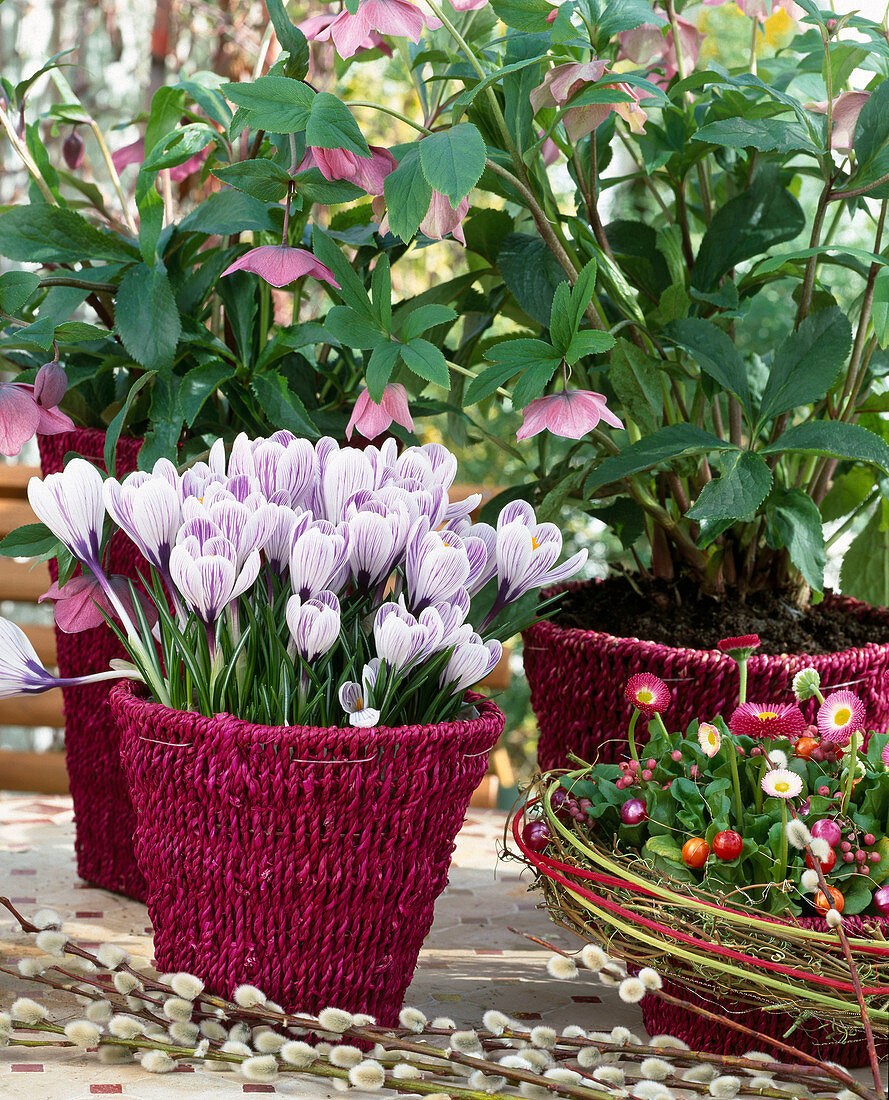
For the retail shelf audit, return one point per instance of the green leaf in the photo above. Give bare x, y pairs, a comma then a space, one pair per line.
715, 353
16, 287
203, 87
738, 492
281, 406
636, 379
426, 317
116, 426
871, 141
351, 289
880, 309
560, 329
354, 330
834, 438
173, 149
768, 135
167, 105
453, 160
146, 318
797, 520
34, 540
276, 103
427, 361
511, 357
590, 341
407, 194
79, 332
290, 37
865, 571
465, 98
40, 233
381, 288
313, 187
165, 423
808, 363
200, 383
261, 178
228, 212
379, 368
669, 443
524, 15
532, 273
485, 230
582, 294
39, 333
331, 126
762, 216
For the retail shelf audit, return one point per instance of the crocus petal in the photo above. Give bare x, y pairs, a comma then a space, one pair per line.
19, 417
279, 265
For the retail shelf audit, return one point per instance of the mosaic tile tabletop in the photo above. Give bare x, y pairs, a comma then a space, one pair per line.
469, 962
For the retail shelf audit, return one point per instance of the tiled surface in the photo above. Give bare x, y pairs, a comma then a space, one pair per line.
470, 960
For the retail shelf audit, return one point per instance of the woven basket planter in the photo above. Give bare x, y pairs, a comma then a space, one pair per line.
103, 812
303, 861
576, 675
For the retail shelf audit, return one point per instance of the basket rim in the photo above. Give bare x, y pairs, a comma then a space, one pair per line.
128, 696
549, 632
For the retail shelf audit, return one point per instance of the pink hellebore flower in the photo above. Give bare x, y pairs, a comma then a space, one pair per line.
569, 413
846, 109
134, 153
79, 603
441, 218
564, 81
26, 409
368, 173
279, 265
371, 419
395, 17
649, 45
471, 5
317, 29
760, 9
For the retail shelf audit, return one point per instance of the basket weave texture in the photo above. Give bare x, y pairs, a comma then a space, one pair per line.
103, 812
304, 861
576, 677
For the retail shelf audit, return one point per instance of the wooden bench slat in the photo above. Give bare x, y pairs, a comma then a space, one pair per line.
14, 513
14, 479
23, 580
33, 771
43, 639
33, 710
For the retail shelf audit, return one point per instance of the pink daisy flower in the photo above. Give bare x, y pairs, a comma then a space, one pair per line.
767, 720
781, 783
648, 693
741, 646
839, 716
709, 739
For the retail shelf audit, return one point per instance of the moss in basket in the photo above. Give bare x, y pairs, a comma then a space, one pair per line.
711, 806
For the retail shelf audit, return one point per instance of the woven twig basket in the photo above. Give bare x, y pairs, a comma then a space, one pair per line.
576, 675
103, 812
304, 861
785, 978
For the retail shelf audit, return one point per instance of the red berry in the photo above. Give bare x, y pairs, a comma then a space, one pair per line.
827, 865
824, 791
848, 857
875, 857
860, 856
676, 755
869, 839
845, 846
727, 844
695, 851
651, 763
647, 774
536, 835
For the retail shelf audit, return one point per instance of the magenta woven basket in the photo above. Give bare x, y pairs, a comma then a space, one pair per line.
303, 861
810, 1035
577, 676
103, 813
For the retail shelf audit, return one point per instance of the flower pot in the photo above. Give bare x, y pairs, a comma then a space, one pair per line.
576, 677
103, 812
303, 861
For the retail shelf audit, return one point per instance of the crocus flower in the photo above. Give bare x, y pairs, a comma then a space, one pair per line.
21, 672
568, 413
767, 720
436, 566
401, 639
318, 556
317, 28
343, 474
709, 739
527, 552
314, 624
81, 603
246, 525
70, 504
372, 419
846, 109
148, 509
206, 574
781, 783
354, 698
368, 173
376, 540
280, 265
394, 17
470, 662
563, 82
648, 693
285, 467
840, 715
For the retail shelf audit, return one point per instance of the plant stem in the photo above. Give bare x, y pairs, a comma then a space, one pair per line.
115, 178
742, 680
25, 157
631, 735
850, 778
736, 781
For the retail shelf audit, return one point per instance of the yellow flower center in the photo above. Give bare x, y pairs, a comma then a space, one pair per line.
711, 737
644, 695
782, 786
535, 545
360, 703
842, 716
765, 714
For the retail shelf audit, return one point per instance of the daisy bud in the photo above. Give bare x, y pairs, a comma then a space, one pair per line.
125, 1027
268, 1042
466, 1042
157, 1061
99, 1012
593, 957
213, 1030
367, 1075
406, 1072
833, 918
544, 1037
412, 1018
345, 1056
725, 1087
485, 1082
28, 1011
111, 956
83, 1033
650, 978
53, 943
176, 1008
110, 1054
631, 991
495, 1022
561, 967
609, 1075
335, 1019
296, 1053
798, 835
126, 983
186, 986
46, 918
656, 1069
248, 996
806, 683
262, 1067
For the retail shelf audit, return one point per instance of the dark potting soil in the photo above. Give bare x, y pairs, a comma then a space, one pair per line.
679, 614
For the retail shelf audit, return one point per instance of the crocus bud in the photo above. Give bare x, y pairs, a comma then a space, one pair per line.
50, 384
72, 150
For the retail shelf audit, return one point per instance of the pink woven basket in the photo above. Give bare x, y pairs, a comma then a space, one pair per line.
810, 1035
304, 861
103, 812
576, 677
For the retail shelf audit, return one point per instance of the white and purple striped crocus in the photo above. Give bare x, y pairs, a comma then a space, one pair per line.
355, 699
377, 537
319, 559
314, 624
70, 504
470, 662
437, 565
207, 575
401, 639
21, 672
148, 509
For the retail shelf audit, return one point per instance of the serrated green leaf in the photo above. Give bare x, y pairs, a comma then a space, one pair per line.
880, 309
353, 329
39, 233
276, 103
715, 353
532, 274
797, 520
808, 363
426, 317
261, 178
561, 330
228, 212
865, 571
768, 135
33, 540
16, 287
407, 194
453, 160
282, 407
667, 444
351, 289
427, 361
289, 36
199, 384
331, 126
379, 368
636, 380
871, 140
381, 288
743, 485
589, 341
146, 318
834, 438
